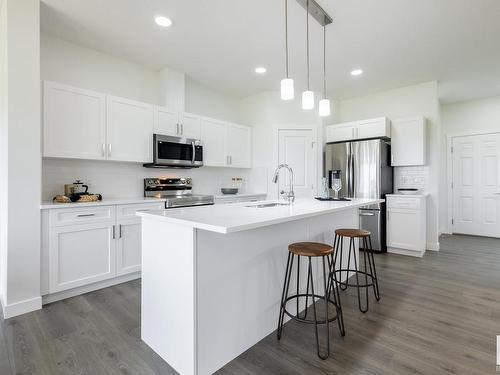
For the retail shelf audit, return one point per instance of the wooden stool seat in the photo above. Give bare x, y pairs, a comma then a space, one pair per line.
353, 233
310, 249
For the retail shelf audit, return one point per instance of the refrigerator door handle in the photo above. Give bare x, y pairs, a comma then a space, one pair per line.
351, 168
348, 175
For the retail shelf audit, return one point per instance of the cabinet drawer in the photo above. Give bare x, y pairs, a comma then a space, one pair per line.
60, 217
128, 211
410, 203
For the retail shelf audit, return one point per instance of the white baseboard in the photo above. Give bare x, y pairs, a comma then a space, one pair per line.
412, 253
49, 298
433, 246
21, 307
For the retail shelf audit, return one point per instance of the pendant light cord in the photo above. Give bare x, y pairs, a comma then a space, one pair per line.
324, 62
286, 38
307, 44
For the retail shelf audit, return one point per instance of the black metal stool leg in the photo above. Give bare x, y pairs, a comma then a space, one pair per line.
352, 244
316, 333
343, 285
286, 284
336, 298
373, 271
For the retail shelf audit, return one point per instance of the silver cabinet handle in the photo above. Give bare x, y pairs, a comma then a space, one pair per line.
109, 149
85, 215
120, 231
114, 232
227, 159
366, 214
177, 129
392, 159
103, 149
182, 129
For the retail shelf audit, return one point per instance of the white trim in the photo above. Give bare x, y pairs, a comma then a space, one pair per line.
21, 307
412, 253
449, 171
49, 298
433, 246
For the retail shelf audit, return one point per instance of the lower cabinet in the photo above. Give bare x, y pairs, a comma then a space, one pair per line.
406, 224
84, 246
80, 255
128, 249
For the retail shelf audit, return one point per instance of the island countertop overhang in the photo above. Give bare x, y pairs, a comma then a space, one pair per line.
230, 218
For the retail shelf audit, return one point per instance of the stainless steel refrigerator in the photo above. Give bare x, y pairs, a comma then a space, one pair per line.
366, 173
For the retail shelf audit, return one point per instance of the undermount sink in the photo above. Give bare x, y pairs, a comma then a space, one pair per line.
266, 205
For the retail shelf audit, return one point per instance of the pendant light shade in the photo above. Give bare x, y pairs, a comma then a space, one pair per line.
308, 95
324, 107
287, 89
324, 104
308, 99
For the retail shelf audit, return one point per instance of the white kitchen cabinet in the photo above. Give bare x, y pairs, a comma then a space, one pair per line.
74, 122
128, 246
239, 143
406, 224
129, 130
214, 138
408, 142
80, 255
363, 129
190, 125
166, 122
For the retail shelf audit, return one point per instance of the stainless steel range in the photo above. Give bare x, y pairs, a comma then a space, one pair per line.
176, 191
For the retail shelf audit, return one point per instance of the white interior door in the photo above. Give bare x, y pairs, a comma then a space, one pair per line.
476, 185
296, 148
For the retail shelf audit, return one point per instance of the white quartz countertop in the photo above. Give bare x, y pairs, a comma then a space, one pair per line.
242, 195
237, 217
104, 202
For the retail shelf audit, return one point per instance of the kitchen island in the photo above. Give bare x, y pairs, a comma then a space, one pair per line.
212, 276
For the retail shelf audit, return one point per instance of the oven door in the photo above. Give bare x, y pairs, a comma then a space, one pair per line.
177, 151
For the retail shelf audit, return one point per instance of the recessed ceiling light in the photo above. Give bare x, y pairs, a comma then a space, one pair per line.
357, 72
163, 21
260, 70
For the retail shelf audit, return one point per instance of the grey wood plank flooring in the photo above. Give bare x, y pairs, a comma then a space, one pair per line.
438, 315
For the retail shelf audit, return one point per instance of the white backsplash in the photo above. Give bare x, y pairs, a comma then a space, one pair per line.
125, 180
411, 177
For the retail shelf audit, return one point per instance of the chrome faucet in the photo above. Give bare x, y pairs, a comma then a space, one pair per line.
290, 195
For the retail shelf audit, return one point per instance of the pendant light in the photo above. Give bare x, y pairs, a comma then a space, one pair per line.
324, 104
287, 90
308, 95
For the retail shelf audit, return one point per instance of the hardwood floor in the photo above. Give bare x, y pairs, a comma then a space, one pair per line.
438, 315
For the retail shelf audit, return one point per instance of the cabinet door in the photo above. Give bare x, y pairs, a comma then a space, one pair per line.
130, 130
190, 126
166, 122
341, 132
239, 141
81, 255
403, 229
375, 128
74, 122
214, 138
128, 247
408, 142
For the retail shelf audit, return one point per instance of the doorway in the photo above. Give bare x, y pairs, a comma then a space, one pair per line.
476, 185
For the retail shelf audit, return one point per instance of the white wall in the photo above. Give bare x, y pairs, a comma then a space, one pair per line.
21, 157
417, 100
266, 112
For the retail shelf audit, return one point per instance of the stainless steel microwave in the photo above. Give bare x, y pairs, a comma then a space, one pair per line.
176, 152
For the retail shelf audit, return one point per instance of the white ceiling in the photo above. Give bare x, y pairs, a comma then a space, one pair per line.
219, 42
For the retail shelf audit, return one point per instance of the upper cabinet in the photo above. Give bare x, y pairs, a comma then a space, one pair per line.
239, 144
408, 142
365, 129
129, 130
74, 122
84, 124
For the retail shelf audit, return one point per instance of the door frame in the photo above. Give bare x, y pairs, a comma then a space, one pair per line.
317, 151
449, 170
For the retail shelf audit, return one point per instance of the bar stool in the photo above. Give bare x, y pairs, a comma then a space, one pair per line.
369, 261
331, 294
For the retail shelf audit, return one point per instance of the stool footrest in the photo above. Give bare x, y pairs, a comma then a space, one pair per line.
309, 321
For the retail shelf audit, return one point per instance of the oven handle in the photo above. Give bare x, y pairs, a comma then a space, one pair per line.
194, 151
